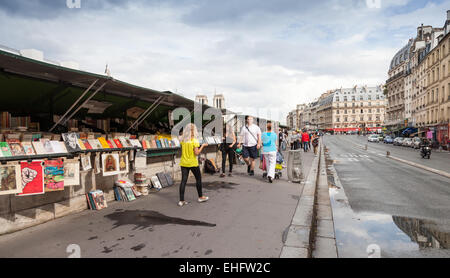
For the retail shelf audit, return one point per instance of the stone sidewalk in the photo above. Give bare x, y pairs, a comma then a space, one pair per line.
246, 217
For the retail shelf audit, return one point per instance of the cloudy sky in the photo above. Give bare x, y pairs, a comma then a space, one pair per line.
258, 53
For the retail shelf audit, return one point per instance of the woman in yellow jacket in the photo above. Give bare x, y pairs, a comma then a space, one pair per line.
190, 149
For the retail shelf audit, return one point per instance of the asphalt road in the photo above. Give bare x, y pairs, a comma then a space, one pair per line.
403, 210
245, 217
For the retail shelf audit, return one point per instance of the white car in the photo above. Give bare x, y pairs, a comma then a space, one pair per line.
373, 138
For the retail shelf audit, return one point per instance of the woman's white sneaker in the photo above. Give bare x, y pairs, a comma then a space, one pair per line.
203, 199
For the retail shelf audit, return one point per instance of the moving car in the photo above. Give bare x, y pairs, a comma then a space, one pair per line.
416, 142
398, 141
388, 140
407, 142
373, 138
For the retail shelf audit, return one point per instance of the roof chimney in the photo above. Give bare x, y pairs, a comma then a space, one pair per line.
448, 14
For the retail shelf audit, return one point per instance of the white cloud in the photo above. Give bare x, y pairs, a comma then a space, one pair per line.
258, 57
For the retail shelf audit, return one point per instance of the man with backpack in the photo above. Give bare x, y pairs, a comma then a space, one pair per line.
250, 137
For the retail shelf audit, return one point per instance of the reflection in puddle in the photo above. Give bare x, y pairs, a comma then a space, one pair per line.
396, 236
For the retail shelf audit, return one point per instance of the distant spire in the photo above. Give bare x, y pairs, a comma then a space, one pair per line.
107, 71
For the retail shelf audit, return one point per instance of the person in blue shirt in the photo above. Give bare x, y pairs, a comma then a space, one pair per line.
269, 144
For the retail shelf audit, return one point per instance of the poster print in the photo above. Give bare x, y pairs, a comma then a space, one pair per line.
86, 162
71, 142
54, 175
110, 163
10, 179
98, 168
123, 163
71, 172
32, 178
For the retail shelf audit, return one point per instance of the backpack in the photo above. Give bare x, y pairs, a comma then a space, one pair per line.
210, 168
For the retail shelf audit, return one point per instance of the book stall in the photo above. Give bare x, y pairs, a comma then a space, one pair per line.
65, 149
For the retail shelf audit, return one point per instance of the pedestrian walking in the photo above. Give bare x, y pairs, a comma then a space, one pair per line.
227, 147
190, 149
269, 151
250, 137
305, 141
315, 143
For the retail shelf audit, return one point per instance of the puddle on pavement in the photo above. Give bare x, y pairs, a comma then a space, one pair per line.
364, 234
396, 236
144, 219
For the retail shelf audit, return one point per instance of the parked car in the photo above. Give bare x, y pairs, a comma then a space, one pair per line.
416, 142
373, 138
407, 142
380, 137
398, 141
388, 140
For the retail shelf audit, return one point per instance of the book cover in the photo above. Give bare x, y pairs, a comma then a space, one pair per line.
6, 151
38, 147
47, 146
153, 144
118, 143
87, 144
158, 144
81, 144
32, 178
54, 175
28, 148
103, 143
71, 141
15, 147
111, 144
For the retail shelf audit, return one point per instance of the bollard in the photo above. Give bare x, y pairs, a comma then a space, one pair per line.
388, 153
294, 166
365, 147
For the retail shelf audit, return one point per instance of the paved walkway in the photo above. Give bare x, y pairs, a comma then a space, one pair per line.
245, 217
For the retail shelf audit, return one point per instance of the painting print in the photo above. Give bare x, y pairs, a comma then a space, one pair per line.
110, 163
54, 175
123, 163
10, 179
71, 142
71, 172
86, 162
32, 178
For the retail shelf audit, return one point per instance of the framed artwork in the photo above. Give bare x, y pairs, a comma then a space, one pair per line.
71, 172
71, 141
99, 199
155, 182
32, 178
10, 181
123, 163
110, 164
54, 175
86, 162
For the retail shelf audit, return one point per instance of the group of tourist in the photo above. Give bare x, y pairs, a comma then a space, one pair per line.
304, 140
251, 141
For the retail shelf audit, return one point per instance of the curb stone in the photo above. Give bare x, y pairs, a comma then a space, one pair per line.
299, 237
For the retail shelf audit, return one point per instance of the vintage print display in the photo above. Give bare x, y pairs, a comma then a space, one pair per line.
54, 175
32, 178
16, 148
71, 172
10, 181
71, 141
110, 164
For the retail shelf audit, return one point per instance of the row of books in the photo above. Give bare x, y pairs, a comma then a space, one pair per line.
96, 200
